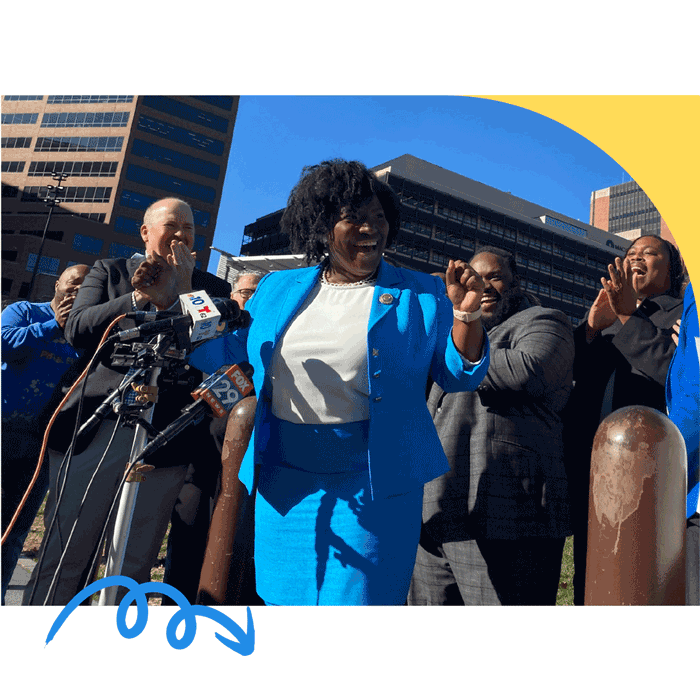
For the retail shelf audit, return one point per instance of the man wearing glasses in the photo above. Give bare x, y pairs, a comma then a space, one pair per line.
244, 285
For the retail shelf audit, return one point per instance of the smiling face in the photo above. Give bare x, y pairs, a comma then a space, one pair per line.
169, 221
650, 265
357, 241
498, 281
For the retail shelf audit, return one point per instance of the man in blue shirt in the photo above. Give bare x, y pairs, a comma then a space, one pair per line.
35, 357
683, 402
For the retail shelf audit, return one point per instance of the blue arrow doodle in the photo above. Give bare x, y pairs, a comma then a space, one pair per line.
245, 640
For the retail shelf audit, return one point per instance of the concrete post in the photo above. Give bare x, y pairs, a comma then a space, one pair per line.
219, 571
636, 511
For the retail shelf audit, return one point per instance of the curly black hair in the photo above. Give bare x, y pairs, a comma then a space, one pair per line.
315, 202
675, 266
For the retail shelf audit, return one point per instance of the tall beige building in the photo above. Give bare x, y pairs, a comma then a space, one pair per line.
626, 211
120, 153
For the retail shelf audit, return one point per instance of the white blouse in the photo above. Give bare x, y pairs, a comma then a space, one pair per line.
319, 368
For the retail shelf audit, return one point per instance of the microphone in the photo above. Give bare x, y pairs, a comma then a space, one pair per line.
205, 318
142, 316
220, 391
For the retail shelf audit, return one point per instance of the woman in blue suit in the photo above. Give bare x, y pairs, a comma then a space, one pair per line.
342, 352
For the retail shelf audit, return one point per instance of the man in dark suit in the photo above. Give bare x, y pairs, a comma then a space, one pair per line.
114, 287
494, 526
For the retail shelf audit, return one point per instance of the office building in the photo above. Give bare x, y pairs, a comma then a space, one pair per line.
446, 215
119, 154
626, 211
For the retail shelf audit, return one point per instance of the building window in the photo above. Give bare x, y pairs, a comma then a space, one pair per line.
80, 143
23, 98
131, 227
87, 244
440, 259
6, 285
23, 290
70, 120
183, 111
73, 168
93, 215
9, 255
87, 99
118, 250
174, 185
13, 166
174, 159
70, 194
200, 241
136, 200
50, 235
220, 101
47, 265
16, 142
21, 118
179, 135
10, 191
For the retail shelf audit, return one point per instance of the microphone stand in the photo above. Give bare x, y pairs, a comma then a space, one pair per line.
127, 503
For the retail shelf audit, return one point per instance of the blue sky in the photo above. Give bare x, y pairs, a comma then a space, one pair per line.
500, 145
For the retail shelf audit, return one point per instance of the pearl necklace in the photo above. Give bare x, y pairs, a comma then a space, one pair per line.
360, 283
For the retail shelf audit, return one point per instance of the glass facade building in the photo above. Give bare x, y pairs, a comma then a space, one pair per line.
120, 154
448, 216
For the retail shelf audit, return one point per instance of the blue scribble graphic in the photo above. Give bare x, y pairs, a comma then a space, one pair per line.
245, 644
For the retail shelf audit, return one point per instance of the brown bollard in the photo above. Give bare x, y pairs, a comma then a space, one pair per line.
636, 511
218, 566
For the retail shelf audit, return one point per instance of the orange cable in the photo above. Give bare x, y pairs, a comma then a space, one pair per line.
48, 430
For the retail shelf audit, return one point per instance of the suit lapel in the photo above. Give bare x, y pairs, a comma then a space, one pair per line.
291, 301
132, 265
385, 296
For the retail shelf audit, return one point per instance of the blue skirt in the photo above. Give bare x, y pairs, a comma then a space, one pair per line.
319, 537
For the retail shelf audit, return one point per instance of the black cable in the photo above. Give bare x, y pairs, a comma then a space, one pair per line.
51, 593
63, 472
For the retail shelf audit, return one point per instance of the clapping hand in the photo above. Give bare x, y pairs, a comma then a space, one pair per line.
600, 316
677, 330
620, 288
464, 286
160, 280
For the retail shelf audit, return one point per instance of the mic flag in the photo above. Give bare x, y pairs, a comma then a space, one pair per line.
225, 388
221, 391
202, 318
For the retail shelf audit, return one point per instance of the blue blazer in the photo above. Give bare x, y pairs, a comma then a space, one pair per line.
683, 393
408, 338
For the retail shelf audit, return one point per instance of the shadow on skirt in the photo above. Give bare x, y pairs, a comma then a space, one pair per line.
320, 539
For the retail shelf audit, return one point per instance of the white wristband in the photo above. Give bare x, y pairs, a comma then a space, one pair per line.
467, 316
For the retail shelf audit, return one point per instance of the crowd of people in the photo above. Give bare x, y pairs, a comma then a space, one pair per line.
417, 439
